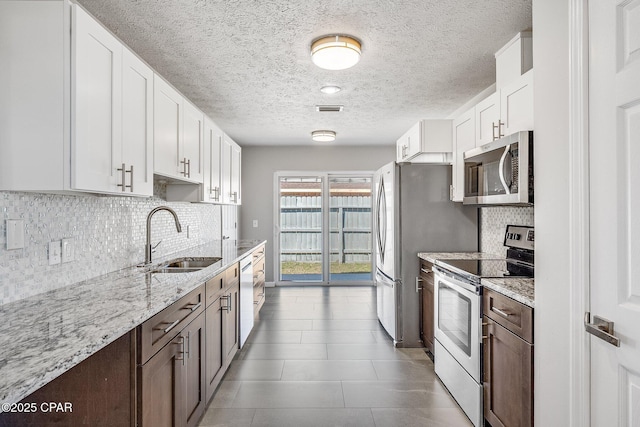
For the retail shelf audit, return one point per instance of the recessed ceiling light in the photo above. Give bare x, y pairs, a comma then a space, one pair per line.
330, 89
335, 52
323, 135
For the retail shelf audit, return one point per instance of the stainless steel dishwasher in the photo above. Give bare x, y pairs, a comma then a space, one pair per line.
246, 298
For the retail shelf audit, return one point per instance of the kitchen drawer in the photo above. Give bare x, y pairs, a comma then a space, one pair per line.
516, 317
232, 276
426, 272
215, 287
164, 326
259, 252
258, 297
258, 270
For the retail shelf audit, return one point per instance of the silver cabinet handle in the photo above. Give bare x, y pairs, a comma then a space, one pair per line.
216, 193
601, 328
184, 162
171, 326
500, 312
189, 168
426, 271
418, 280
123, 170
226, 306
189, 344
196, 306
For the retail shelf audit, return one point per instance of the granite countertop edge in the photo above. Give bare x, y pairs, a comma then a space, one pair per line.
47, 334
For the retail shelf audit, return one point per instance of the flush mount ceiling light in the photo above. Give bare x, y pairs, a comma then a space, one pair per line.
335, 52
330, 89
323, 135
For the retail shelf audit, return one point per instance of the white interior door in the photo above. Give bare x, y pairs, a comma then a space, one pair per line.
614, 138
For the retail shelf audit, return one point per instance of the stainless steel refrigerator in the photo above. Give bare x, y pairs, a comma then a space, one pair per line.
413, 214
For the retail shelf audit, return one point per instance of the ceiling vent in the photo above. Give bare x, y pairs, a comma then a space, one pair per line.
329, 108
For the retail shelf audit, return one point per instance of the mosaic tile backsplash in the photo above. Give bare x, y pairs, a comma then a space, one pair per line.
109, 233
494, 221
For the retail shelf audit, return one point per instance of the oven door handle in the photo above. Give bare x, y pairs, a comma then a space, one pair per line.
452, 281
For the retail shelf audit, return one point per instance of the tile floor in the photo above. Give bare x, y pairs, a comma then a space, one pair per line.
319, 357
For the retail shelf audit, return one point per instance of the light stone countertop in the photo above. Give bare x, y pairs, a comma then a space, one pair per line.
517, 288
433, 256
46, 335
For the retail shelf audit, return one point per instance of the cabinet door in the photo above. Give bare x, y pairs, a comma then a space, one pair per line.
225, 169
195, 392
236, 171
426, 274
96, 91
214, 345
193, 120
414, 140
487, 116
167, 129
137, 119
463, 140
508, 377
231, 322
516, 104
161, 387
213, 136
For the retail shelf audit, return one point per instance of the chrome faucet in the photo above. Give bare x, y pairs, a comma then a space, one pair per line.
149, 248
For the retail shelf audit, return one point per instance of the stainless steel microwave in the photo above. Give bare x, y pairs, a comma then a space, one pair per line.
500, 172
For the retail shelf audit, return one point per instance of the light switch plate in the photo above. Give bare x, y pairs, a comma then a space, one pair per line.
55, 249
15, 234
68, 250
255, 223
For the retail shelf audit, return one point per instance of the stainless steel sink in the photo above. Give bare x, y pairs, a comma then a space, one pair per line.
192, 262
185, 264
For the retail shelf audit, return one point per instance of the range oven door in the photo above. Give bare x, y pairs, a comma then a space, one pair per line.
457, 320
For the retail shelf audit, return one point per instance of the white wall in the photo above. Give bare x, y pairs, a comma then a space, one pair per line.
552, 354
260, 163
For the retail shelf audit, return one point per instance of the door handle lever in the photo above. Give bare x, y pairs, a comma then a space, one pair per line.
601, 328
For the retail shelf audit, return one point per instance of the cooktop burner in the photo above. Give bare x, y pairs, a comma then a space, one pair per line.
488, 268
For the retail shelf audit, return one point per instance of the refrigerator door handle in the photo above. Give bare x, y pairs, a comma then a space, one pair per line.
382, 219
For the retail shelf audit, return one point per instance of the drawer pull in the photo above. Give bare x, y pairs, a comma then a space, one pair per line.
500, 312
171, 326
195, 307
426, 271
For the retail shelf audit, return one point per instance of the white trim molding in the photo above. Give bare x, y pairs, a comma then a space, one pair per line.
579, 212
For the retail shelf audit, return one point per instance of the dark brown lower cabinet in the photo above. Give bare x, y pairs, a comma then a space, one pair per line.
215, 366
172, 382
101, 390
427, 312
508, 377
231, 322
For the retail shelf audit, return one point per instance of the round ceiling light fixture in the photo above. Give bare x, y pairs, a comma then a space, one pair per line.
323, 135
330, 89
335, 52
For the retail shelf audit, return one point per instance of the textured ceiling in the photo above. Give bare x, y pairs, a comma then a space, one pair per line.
246, 63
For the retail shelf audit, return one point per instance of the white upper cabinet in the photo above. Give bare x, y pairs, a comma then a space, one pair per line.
92, 103
178, 132
167, 129
464, 138
236, 170
96, 141
487, 120
212, 188
192, 142
514, 59
137, 126
230, 167
516, 104
428, 141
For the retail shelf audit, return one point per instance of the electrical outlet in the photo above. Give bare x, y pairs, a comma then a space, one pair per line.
255, 223
68, 250
55, 249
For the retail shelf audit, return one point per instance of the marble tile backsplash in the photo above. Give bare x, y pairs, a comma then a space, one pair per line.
109, 233
493, 223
